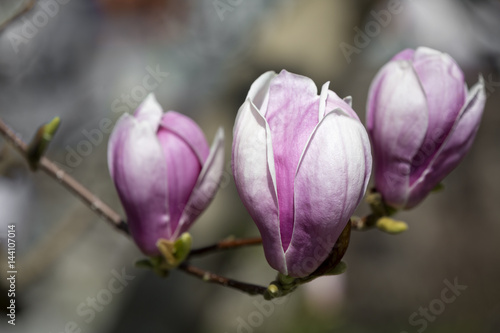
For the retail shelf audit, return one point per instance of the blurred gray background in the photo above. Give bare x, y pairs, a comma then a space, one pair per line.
86, 61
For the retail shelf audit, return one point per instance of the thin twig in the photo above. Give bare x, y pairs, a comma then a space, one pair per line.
206, 276
225, 245
358, 224
50, 168
27, 7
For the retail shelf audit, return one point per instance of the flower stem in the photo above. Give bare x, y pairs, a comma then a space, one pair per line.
225, 245
206, 276
27, 7
50, 168
358, 224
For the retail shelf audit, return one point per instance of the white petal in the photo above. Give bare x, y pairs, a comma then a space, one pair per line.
149, 112
254, 174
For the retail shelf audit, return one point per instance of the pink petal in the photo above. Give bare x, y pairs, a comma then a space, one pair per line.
443, 83
182, 142
292, 114
397, 119
187, 130
335, 102
331, 180
404, 55
206, 186
330, 101
455, 147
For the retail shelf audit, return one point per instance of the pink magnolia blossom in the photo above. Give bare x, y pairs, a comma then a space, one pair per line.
301, 164
422, 121
164, 172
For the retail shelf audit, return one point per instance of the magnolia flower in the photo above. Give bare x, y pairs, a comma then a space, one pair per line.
164, 172
301, 164
422, 121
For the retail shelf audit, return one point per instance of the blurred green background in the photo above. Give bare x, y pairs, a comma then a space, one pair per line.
86, 61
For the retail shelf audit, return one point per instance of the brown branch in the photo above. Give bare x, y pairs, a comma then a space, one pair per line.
206, 276
27, 7
50, 168
225, 245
